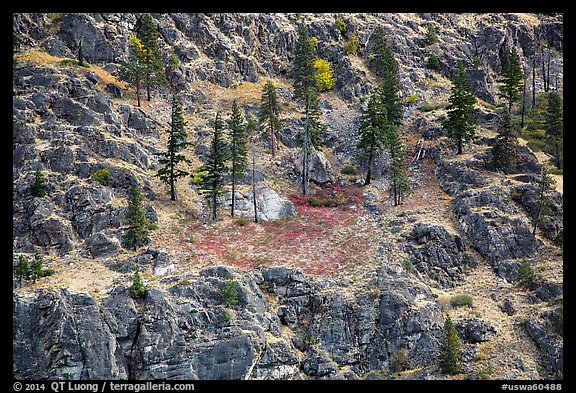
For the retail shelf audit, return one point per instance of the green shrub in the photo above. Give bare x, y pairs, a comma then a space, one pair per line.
340, 25
526, 273
353, 44
558, 320
477, 62
556, 171
229, 293
312, 341
461, 300
408, 266
46, 272
431, 34
102, 176
433, 62
317, 202
515, 195
349, 170
137, 289
39, 185
412, 98
72, 63
241, 221
56, 15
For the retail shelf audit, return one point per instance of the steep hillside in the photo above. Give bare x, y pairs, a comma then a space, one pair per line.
356, 290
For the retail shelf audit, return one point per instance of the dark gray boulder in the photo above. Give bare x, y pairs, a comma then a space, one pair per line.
473, 330
438, 255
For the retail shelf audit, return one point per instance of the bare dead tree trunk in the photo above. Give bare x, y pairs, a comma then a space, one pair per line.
254, 184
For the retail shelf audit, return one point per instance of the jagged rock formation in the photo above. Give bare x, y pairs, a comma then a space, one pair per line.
186, 332
72, 121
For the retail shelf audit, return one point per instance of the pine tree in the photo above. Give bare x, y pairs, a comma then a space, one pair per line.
23, 271
372, 130
137, 289
399, 180
450, 349
303, 71
148, 35
36, 267
269, 114
39, 185
212, 183
137, 224
390, 86
169, 173
461, 121
554, 126
504, 153
229, 292
543, 200
238, 149
133, 71
512, 79
379, 123
431, 34
433, 62
306, 90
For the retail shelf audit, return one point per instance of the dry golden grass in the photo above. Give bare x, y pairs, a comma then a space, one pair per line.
42, 58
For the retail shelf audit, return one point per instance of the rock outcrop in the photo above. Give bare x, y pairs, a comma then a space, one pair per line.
70, 121
189, 332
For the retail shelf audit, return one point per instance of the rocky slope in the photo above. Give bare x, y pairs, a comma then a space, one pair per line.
382, 299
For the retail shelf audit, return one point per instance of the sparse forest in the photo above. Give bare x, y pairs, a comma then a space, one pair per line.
298, 196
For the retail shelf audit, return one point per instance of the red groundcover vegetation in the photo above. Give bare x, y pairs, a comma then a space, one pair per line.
330, 232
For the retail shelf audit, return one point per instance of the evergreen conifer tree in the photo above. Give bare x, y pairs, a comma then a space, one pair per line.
450, 349
306, 90
36, 266
431, 34
379, 123
137, 224
433, 62
543, 200
512, 79
229, 292
137, 289
269, 114
461, 121
169, 173
212, 183
504, 153
39, 185
153, 66
554, 126
133, 71
387, 67
238, 149
372, 130
23, 271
